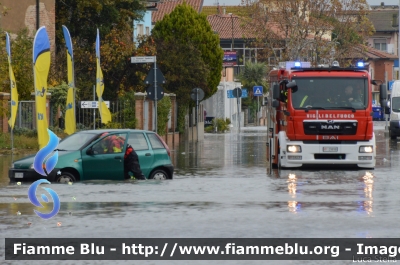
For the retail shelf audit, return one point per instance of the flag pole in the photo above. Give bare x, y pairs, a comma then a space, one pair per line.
12, 130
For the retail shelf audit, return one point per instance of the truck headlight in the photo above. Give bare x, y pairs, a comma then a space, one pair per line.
294, 148
366, 149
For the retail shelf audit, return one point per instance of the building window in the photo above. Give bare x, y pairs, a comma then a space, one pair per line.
380, 44
140, 30
147, 31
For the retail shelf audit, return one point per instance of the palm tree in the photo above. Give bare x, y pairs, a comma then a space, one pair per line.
254, 74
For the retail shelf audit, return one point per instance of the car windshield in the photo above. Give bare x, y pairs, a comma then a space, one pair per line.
75, 141
330, 93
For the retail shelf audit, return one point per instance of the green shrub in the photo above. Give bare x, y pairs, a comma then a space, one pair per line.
164, 113
218, 125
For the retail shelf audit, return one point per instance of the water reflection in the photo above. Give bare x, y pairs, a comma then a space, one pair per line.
293, 205
366, 206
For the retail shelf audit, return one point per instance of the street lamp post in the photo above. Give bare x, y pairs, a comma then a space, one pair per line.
233, 39
37, 14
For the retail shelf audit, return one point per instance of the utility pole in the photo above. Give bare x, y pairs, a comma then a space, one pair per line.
37, 14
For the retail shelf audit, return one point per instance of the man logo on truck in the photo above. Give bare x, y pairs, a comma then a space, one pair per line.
327, 127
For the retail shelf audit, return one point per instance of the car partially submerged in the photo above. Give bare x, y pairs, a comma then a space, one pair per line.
81, 156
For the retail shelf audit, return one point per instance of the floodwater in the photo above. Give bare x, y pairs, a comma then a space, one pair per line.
221, 189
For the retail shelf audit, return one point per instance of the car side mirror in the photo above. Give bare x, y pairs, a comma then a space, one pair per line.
90, 151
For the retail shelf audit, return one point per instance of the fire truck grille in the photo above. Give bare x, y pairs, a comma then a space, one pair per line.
329, 128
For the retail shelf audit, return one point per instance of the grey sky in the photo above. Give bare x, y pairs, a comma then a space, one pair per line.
237, 2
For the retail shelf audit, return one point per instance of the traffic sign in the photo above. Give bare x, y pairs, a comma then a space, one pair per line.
151, 93
257, 91
244, 92
143, 59
237, 92
390, 85
150, 77
92, 104
230, 93
197, 94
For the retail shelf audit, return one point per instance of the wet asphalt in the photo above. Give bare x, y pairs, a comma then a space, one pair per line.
221, 189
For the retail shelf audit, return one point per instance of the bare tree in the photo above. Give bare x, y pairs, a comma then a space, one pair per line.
318, 31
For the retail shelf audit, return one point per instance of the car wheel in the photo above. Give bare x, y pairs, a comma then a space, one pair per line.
65, 177
159, 174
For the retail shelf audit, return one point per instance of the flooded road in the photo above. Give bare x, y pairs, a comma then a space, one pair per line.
220, 189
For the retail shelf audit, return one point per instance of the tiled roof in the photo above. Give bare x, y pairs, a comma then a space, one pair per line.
383, 20
222, 24
219, 10
167, 6
372, 53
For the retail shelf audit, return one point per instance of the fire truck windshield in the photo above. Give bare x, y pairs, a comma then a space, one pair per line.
330, 93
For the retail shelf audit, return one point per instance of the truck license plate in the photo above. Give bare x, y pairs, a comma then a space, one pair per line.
330, 149
19, 175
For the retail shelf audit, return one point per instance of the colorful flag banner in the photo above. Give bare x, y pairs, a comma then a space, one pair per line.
13, 85
104, 111
70, 119
41, 67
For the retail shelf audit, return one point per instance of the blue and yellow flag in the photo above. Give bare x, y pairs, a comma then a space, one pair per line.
70, 121
104, 111
13, 85
41, 67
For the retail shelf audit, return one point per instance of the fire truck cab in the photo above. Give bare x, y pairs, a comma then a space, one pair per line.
320, 116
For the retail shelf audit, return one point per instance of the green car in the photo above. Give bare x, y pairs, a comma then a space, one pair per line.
81, 156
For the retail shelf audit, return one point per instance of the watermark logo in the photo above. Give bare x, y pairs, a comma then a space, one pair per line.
43, 164
39, 164
35, 201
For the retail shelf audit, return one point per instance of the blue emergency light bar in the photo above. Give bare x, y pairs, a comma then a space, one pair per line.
360, 64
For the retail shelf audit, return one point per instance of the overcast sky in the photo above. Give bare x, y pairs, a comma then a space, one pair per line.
237, 2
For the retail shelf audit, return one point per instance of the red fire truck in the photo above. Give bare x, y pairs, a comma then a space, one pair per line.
321, 116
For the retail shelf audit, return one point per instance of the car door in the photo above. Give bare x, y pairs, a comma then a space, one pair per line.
160, 153
139, 143
105, 160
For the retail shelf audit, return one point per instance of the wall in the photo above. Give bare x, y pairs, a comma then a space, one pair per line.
171, 137
22, 14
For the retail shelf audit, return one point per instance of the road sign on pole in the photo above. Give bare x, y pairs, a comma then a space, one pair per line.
257, 91
153, 91
150, 77
92, 104
143, 59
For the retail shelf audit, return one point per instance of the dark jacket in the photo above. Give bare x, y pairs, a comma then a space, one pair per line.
131, 164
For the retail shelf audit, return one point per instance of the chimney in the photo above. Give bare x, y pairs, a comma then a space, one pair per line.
395, 22
224, 10
382, 4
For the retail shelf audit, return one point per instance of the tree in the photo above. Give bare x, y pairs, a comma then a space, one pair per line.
254, 74
189, 54
302, 29
114, 18
21, 64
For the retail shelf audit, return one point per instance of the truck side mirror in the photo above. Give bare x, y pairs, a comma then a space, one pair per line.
275, 92
383, 92
292, 85
275, 103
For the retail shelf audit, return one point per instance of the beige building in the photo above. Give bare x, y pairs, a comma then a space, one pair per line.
24, 14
